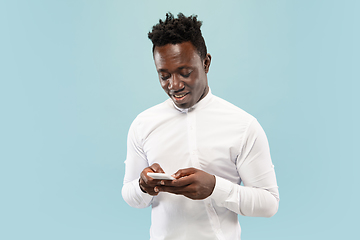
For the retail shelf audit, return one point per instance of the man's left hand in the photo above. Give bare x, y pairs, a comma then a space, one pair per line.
190, 182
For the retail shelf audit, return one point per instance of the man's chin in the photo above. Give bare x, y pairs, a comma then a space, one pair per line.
182, 102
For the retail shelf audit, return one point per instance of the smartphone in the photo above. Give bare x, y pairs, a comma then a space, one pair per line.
161, 176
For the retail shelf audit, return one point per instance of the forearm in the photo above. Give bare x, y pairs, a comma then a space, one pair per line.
135, 162
245, 200
257, 202
259, 197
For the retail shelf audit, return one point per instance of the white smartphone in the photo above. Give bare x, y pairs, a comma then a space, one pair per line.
161, 176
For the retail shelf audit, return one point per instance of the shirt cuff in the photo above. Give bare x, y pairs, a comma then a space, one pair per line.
146, 197
222, 190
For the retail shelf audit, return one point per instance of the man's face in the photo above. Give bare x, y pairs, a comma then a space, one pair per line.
182, 73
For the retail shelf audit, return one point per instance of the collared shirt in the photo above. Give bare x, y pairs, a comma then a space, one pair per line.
216, 137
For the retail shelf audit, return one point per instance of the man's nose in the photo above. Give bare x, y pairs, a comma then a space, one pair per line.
175, 84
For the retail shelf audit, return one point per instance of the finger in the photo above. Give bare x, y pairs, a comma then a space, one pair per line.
165, 182
176, 190
149, 181
184, 172
156, 168
189, 191
187, 180
144, 177
151, 191
146, 188
183, 181
153, 168
143, 185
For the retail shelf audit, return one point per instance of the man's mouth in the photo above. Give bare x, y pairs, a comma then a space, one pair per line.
179, 97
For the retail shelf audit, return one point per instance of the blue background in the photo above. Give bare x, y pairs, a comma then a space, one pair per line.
74, 74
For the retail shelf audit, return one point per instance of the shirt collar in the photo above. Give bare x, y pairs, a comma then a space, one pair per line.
203, 102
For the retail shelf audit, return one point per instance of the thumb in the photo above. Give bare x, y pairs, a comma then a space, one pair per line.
156, 168
184, 172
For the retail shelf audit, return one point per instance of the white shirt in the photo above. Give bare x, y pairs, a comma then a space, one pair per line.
216, 137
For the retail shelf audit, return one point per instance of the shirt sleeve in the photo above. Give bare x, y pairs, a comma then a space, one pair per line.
259, 197
134, 164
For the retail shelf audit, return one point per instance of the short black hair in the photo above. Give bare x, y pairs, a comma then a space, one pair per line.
178, 30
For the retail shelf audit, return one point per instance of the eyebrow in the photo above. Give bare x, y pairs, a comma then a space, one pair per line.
179, 68
183, 67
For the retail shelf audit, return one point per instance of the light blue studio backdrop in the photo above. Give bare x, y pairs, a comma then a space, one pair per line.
74, 74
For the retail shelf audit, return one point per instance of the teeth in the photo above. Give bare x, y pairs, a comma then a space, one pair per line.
179, 96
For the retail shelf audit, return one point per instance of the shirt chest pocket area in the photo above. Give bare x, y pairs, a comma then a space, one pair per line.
169, 150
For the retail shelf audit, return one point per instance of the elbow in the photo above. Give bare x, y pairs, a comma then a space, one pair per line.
266, 207
271, 204
272, 208
125, 195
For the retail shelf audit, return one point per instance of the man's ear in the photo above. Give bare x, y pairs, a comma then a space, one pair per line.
207, 61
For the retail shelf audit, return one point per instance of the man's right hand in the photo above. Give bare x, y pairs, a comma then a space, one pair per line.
147, 184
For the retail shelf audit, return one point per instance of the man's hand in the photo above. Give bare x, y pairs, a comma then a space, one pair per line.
147, 183
190, 182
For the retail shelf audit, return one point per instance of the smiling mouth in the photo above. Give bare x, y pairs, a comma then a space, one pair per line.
180, 95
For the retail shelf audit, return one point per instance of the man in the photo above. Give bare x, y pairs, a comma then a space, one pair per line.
209, 145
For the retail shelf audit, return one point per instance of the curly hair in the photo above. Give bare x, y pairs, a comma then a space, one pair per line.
178, 30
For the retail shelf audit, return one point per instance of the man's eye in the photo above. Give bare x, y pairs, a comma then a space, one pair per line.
164, 77
186, 75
